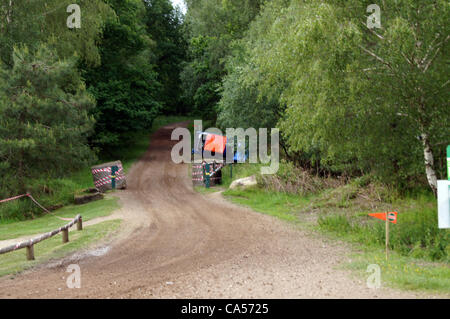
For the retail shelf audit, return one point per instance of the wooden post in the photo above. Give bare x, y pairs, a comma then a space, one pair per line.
387, 236
80, 224
30, 252
65, 235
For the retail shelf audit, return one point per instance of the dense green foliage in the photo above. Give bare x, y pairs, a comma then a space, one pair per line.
125, 85
349, 100
69, 94
141, 51
33, 22
44, 119
165, 26
212, 26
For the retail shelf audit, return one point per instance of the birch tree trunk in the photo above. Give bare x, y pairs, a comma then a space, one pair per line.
8, 12
4, 16
429, 163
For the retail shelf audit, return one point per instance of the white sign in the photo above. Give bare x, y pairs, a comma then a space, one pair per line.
444, 204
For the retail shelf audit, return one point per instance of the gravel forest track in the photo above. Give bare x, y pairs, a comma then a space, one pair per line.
177, 243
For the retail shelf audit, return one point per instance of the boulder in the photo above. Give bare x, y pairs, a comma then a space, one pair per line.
244, 182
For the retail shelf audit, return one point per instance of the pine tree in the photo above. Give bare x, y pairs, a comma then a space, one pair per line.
44, 118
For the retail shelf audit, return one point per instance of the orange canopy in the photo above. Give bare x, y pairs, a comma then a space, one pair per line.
215, 143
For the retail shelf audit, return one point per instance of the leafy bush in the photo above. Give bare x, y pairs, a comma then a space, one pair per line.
49, 193
294, 180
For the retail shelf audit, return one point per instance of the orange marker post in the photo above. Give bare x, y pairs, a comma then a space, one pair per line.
389, 218
387, 236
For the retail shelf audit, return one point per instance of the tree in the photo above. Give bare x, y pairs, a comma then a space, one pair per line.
125, 85
165, 27
360, 100
44, 118
241, 103
407, 59
33, 22
212, 25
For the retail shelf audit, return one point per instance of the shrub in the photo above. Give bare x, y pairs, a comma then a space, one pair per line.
50, 192
291, 179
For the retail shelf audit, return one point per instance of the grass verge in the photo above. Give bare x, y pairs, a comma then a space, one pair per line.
50, 222
403, 272
280, 205
419, 259
53, 248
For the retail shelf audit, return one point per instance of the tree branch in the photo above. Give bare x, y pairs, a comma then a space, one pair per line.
427, 65
431, 60
376, 57
379, 36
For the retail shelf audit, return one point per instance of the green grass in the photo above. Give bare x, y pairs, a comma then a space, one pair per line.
53, 248
204, 190
411, 269
280, 205
47, 223
416, 234
419, 258
403, 272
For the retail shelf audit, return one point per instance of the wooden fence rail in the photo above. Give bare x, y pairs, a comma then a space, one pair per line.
29, 244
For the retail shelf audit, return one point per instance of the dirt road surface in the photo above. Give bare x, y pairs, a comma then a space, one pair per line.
176, 243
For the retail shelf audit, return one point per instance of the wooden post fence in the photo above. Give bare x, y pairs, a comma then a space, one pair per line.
80, 224
29, 244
